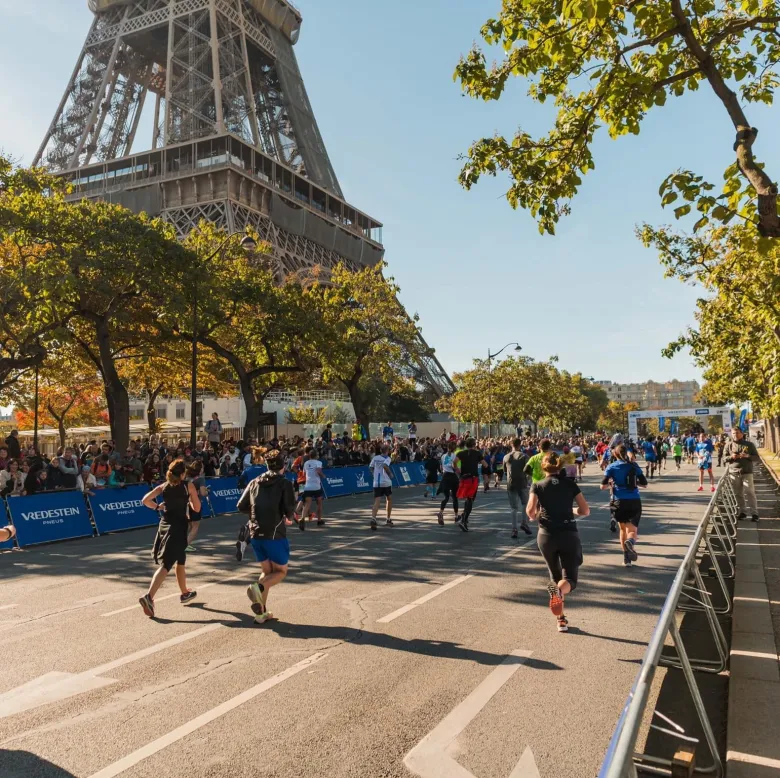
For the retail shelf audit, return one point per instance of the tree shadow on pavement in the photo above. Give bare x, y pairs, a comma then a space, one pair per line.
23, 764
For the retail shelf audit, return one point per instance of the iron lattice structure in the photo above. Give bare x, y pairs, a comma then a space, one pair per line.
231, 137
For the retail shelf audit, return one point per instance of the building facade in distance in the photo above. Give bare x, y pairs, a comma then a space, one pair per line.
654, 395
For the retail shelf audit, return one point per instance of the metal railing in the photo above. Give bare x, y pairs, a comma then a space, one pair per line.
715, 539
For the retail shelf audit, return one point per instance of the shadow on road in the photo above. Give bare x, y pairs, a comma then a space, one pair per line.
23, 764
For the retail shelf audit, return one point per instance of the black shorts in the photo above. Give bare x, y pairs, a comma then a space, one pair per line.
487, 471
194, 516
626, 511
499, 474
562, 551
317, 494
383, 491
432, 479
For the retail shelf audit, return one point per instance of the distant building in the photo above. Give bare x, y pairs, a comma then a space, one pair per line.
653, 395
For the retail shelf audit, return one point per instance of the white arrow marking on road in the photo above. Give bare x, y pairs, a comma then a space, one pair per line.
56, 686
430, 757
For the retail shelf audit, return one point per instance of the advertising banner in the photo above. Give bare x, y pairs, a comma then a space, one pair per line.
661, 423
418, 468
119, 509
406, 473
743, 425
338, 481
3, 523
42, 518
223, 496
362, 479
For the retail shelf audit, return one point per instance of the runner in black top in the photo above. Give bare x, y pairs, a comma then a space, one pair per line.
170, 545
466, 465
551, 503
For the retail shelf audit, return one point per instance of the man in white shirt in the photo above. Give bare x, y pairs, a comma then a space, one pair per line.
383, 484
312, 490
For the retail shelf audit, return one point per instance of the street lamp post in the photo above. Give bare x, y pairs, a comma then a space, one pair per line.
491, 357
35, 422
249, 244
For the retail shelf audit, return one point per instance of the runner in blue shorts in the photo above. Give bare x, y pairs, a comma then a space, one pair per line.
269, 500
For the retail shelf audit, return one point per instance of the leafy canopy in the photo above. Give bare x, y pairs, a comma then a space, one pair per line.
608, 63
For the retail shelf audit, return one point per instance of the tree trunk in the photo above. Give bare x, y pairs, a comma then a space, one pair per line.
117, 398
360, 406
253, 407
151, 413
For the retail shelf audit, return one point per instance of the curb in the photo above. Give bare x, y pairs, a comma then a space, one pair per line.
754, 682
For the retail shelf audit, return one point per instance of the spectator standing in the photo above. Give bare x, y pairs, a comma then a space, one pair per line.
412, 428
12, 480
69, 469
214, 429
4, 458
740, 454
130, 467
12, 444
388, 433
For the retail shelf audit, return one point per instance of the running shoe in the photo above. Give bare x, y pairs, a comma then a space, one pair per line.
440, 517
463, 524
373, 525
712, 488
612, 525
255, 593
148, 606
188, 597
264, 617
742, 516
388, 523
190, 548
556, 599
240, 548
320, 522
526, 529
514, 533
302, 525
563, 624
754, 517
630, 553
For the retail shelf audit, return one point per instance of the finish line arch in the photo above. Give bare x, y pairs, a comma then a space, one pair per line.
671, 413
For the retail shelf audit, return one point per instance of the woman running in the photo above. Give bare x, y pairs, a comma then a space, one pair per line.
170, 545
449, 482
195, 477
624, 477
550, 503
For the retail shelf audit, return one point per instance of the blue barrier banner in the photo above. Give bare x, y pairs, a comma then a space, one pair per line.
223, 496
338, 481
406, 473
42, 518
118, 509
362, 479
419, 472
4, 523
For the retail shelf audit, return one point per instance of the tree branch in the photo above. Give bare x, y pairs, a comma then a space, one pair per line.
766, 190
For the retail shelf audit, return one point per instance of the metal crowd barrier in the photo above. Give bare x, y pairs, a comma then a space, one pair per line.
715, 539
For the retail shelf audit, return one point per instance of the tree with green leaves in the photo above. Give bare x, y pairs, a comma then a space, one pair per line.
363, 331
609, 64
90, 272
250, 322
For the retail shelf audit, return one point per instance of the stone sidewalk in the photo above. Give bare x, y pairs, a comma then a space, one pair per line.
754, 686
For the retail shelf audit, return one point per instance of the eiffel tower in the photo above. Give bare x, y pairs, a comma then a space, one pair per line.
230, 133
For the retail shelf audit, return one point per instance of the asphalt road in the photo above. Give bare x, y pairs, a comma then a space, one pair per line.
350, 681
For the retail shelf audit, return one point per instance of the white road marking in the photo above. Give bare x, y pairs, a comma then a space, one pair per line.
7, 607
430, 757
56, 686
412, 605
201, 721
763, 761
754, 654
336, 548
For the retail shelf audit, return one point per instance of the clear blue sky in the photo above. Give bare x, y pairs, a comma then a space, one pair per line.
379, 76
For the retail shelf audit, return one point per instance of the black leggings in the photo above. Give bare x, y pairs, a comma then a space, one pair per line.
467, 508
449, 488
563, 553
